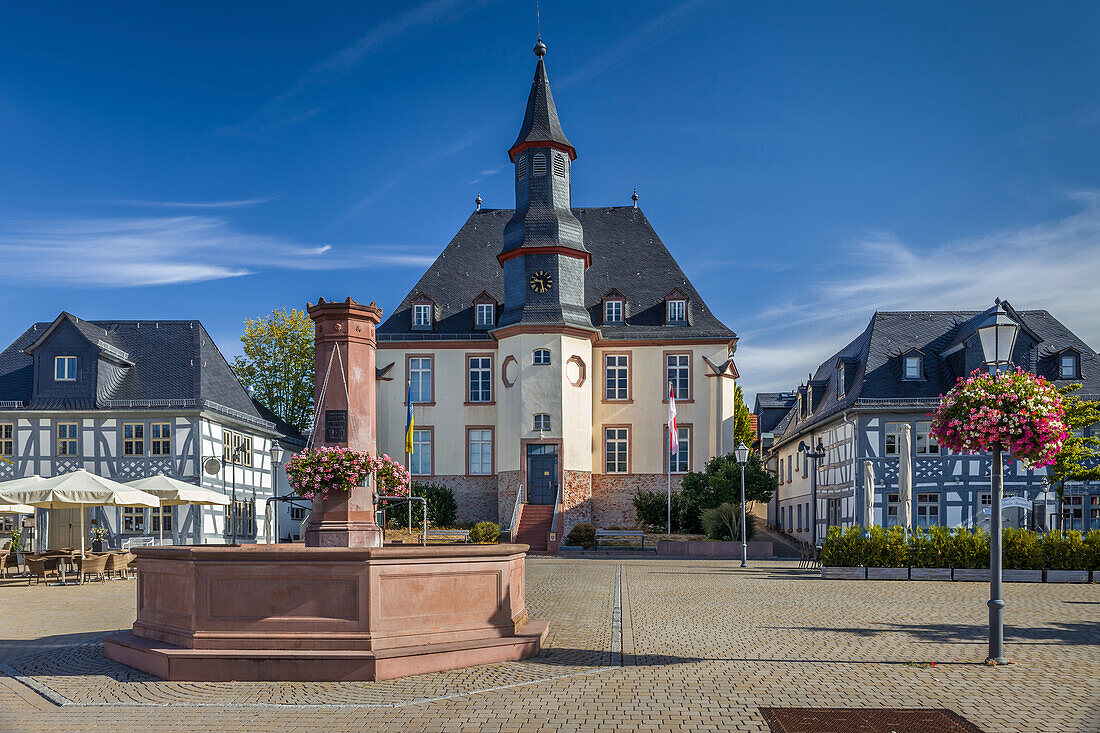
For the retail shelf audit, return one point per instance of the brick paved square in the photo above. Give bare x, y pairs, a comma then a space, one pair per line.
701, 645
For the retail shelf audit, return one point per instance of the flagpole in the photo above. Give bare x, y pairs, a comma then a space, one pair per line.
668, 461
408, 455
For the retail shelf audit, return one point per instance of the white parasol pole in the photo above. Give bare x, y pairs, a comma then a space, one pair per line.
82, 510
160, 521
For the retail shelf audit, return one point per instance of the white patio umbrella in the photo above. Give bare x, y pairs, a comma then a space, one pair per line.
15, 508
78, 490
869, 494
905, 480
173, 492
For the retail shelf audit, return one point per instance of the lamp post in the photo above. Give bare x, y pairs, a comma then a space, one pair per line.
815, 455
998, 337
741, 452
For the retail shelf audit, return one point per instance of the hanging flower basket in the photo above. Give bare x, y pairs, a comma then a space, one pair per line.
324, 471
1020, 411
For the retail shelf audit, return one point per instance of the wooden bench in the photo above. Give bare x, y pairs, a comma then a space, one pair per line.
620, 534
449, 534
145, 541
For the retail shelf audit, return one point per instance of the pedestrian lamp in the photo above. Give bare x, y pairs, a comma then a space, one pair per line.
998, 337
816, 455
741, 452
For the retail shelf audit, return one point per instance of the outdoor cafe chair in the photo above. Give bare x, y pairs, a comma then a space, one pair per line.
118, 562
8, 559
41, 567
95, 565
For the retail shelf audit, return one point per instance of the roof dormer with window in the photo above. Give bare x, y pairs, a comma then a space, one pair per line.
1067, 364
614, 308
912, 365
485, 311
676, 308
423, 313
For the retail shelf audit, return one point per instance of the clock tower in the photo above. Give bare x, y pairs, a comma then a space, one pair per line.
543, 256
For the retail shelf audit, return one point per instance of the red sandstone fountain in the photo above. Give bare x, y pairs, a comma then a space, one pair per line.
342, 607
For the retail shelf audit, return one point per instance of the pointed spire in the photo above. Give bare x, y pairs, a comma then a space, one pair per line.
541, 125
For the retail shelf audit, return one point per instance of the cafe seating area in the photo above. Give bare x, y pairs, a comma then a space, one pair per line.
65, 566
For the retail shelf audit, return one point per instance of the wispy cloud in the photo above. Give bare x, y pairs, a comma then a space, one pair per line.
127, 252
226, 204
487, 173
307, 97
1052, 265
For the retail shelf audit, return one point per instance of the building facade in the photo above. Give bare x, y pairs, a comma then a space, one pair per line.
537, 352
130, 399
892, 375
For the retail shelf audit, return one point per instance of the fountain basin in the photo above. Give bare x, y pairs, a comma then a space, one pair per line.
295, 613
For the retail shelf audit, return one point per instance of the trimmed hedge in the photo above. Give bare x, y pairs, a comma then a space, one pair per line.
485, 533
940, 547
583, 535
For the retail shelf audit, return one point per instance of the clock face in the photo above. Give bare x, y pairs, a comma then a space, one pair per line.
541, 281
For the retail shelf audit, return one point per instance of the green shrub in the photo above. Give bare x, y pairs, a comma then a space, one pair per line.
844, 549
442, 507
723, 523
583, 535
1021, 550
1064, 550
485, 533
969, 549
1091, 542
651, 509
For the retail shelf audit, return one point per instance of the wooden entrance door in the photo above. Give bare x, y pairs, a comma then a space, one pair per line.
65, 528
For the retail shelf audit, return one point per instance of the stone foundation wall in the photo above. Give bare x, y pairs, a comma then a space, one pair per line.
613, 496
507, 489
476, 496
576, 499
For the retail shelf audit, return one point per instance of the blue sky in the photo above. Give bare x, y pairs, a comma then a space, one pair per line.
807, 163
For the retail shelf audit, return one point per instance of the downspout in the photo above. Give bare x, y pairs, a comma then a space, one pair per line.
855, 451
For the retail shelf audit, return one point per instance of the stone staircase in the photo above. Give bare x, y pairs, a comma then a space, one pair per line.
534, 526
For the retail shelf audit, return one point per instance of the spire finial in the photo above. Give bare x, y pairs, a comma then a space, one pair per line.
540, 48
477, 201
634, 198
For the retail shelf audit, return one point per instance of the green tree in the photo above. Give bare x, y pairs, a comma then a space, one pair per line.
1079, 459
278, 364
720, 482
743, 428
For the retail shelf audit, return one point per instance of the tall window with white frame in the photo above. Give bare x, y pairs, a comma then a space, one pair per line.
422, 315
481, 379
893, 438
7, 439
613, 311
678, 462
1067, 366
926, 444
913, 366
892, 505
616, 449
486, 314
64, 368
678, 373
66, 439
676, 311
420, 379
616, 376
928, 509
481, 452
420, 462
133, 440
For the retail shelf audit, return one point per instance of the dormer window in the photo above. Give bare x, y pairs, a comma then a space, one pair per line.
422, 315
521, 167
1068, 366
538, 164
559, 165
913, 366
840, 387
613, 311
64, 368
541, 357
486, 314
676, 311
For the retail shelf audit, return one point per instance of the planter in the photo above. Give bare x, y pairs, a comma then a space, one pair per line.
97, 545
930, 573
1067, 576
839, 573
974, 575
1022, 576
887, 573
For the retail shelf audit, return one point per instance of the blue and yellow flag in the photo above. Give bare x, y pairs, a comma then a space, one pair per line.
409, 422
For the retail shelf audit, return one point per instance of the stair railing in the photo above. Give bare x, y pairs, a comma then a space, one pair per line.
514, 527
555, 524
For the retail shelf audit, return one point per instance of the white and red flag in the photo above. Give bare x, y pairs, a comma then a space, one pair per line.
673, 436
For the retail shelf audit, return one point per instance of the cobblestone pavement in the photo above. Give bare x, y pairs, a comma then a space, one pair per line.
703, 644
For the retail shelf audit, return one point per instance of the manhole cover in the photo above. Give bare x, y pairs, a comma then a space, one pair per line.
865, 720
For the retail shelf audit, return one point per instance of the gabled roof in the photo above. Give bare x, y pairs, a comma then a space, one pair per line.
627, 255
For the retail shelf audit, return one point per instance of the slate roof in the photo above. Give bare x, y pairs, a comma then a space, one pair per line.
168, 360
627, 255
540, 121
874, 376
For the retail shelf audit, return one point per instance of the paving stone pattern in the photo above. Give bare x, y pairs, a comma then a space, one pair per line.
704, 646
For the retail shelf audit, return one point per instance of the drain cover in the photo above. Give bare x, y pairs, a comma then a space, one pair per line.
865, 720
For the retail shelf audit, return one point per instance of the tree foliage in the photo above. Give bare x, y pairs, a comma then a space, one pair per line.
278, 364
743, 423
720, 482
1079, 459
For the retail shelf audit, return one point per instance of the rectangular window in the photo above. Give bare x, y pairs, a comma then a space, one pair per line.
893, 438
678, 462
133, 520
245, 455
799, 517
613, 311
616, 377
677, 373
892, 504
161, 515
541, 357
926, 442
422, 315
64, 368
541, 423
486, 314
227, 447
481, 378
480, 451
1067, 366
133, 440
1073, 512
7, 439
161, 442
616, 443
242, 515
420, 462
790, 518
790, 468
66, 439
928, 510
912, 367
420, 379
297, 513
677, 310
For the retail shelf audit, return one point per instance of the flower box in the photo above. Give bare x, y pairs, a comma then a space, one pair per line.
978, 575
1067, 576
929, 573
887, 573
1022, 576
859, 573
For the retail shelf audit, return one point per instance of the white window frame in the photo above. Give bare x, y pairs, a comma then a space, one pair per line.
676, 311
7, 439
480, 451
422, 315
681, 382
420, 378
421, 459
1069, 359
480, 374
485, 314
538, 354
925, 443
616, 450
893, 508
62, 437
613, 311
916, 362
683, 457
540, 423
64, 368
892, 430
616, 381
133, 438
928, 509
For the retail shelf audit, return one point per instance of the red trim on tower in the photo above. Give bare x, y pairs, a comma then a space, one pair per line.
554, 250
542, 144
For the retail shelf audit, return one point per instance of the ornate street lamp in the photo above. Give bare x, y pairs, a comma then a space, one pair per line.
998, 337
741, 452
815, 455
